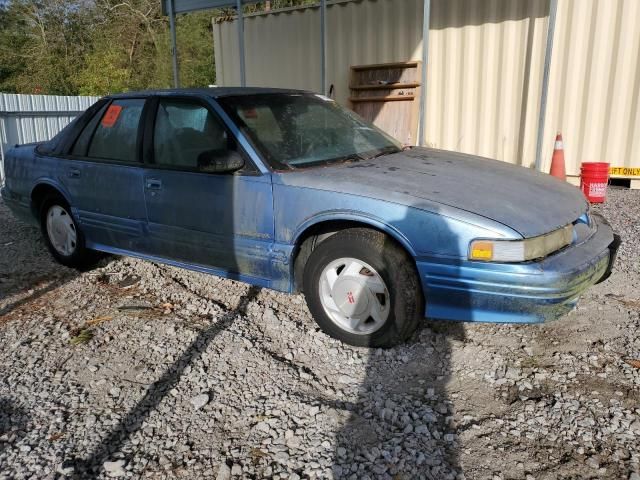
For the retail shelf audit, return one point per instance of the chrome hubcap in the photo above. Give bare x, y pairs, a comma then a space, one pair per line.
61, 230
354, 296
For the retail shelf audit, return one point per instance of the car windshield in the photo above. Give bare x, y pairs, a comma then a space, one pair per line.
305, 130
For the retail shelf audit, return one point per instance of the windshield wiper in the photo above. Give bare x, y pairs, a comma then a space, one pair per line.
305, 164
384, 151
353, 158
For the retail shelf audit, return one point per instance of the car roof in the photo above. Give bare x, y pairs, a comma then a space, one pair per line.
214, 92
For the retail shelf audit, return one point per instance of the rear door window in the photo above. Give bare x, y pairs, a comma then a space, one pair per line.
185, 133
116, 135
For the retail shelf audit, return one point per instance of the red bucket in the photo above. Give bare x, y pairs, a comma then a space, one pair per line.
594, 177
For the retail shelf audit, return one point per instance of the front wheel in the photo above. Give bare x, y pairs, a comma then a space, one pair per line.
362, 288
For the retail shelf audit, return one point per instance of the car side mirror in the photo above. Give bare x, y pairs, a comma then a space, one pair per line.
220, 161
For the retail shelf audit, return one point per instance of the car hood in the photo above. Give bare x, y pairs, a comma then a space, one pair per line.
527, 201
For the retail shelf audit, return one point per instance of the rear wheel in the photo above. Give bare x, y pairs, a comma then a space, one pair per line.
362, 289
62, 235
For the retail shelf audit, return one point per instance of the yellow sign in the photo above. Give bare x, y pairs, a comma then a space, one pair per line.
624, 171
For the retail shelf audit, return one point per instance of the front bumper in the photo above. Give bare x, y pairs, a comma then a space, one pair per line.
529, 292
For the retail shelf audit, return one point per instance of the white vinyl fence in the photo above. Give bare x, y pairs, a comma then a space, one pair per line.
35, 118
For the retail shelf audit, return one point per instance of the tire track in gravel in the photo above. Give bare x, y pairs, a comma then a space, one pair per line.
254, 339
158, 390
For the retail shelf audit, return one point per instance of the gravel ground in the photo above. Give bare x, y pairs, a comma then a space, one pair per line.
140, 370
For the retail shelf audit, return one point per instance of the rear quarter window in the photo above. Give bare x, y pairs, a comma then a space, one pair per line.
69, 133
82, 142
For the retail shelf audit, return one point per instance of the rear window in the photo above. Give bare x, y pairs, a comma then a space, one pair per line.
54, 144
51, 145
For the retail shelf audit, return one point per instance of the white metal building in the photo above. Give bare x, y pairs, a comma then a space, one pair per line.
484, 72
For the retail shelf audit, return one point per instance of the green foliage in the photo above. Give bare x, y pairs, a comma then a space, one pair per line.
95, 47
196, 63
82, 336
42, 44
12, 39
103, 72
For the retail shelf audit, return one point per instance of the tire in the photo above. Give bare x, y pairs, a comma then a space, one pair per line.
77, 256
340, 312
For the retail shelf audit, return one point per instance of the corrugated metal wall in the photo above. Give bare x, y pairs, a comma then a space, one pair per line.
283, 48
33, 118
297, 67
595, 83
484, 76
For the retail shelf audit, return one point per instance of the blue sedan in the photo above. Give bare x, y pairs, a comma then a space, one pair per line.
287, 190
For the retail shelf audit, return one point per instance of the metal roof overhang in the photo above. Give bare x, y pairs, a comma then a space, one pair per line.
184, 6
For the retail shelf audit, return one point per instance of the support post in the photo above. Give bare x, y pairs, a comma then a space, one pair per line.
174, 46
426, 20
2, 137
553, 10
243, 78
323, 46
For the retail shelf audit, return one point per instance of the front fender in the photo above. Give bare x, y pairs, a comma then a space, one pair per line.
353, 216
421, 232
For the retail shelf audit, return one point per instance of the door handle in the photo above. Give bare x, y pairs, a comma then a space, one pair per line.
74, 172
154, 184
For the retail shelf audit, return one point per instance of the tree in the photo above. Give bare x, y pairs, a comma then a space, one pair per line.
195, 51
12, 40
124, 46
131, 49
44, 44
95, 47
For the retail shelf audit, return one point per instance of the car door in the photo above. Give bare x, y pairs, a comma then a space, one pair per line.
223, 221
104, 176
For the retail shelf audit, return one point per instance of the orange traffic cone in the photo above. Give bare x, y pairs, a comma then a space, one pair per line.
557, 160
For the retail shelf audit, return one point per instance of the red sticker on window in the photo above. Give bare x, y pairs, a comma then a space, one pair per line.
250, 113
111, 117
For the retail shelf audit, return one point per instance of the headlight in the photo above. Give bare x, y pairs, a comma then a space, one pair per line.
520, 250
